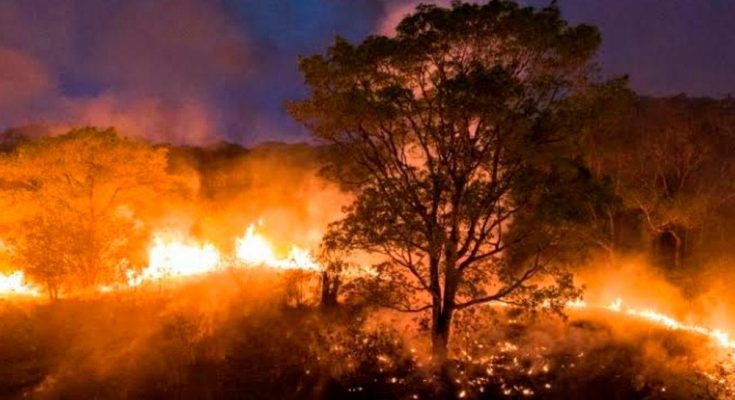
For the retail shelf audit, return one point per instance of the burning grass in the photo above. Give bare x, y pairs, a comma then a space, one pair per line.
214, 305
234, 334
199, 323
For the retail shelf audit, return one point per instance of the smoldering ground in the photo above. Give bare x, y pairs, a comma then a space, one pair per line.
237, 335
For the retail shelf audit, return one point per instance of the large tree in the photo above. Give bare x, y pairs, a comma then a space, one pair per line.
74, 204
453, 134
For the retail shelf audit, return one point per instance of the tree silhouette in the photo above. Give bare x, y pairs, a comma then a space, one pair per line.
450, 134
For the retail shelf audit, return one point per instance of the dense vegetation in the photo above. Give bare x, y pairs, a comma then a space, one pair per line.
242, 338
215, 338
465, 172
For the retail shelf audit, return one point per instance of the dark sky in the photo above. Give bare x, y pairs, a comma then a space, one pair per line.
198, 71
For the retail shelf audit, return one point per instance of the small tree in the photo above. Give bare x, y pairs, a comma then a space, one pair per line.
449, 133
43, 251
75, 198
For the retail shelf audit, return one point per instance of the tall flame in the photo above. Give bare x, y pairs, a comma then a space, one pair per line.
255, 250
176, 258
14, 284
173, 258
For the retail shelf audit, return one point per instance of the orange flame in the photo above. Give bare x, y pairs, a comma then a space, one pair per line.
254, 249
14, 284
174, 258
177, 258
720, 337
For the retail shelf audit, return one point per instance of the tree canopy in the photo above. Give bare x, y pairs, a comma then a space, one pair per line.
452, 133
75, 198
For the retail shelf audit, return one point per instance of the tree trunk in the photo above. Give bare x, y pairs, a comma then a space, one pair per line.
440, 329
330, 290
53, 291
677, 249
439, 345
442, 321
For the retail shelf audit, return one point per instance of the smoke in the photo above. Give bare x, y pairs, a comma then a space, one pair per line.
188, 72
702, 299
168, 48
224, 189
153, 70
22, 80
186, 121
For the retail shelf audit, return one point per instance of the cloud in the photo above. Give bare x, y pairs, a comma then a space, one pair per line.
151, 69
206, 70
186, 121
23, 79
169, 48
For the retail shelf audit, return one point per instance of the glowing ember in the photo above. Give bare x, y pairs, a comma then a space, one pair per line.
255, 250
14, 284
171, 258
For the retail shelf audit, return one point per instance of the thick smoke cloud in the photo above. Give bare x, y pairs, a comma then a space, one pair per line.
152, 69
190, 71
200, 71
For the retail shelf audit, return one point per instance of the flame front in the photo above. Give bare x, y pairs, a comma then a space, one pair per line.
720, 337
173, 258
176, 258
14, 284
254, 249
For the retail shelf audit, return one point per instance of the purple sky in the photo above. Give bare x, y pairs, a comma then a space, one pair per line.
198, 71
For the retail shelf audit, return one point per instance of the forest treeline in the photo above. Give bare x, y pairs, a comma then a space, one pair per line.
667, 163
667, 193
473, 161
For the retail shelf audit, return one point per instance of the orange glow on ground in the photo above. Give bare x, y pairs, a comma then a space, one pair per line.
720, 337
